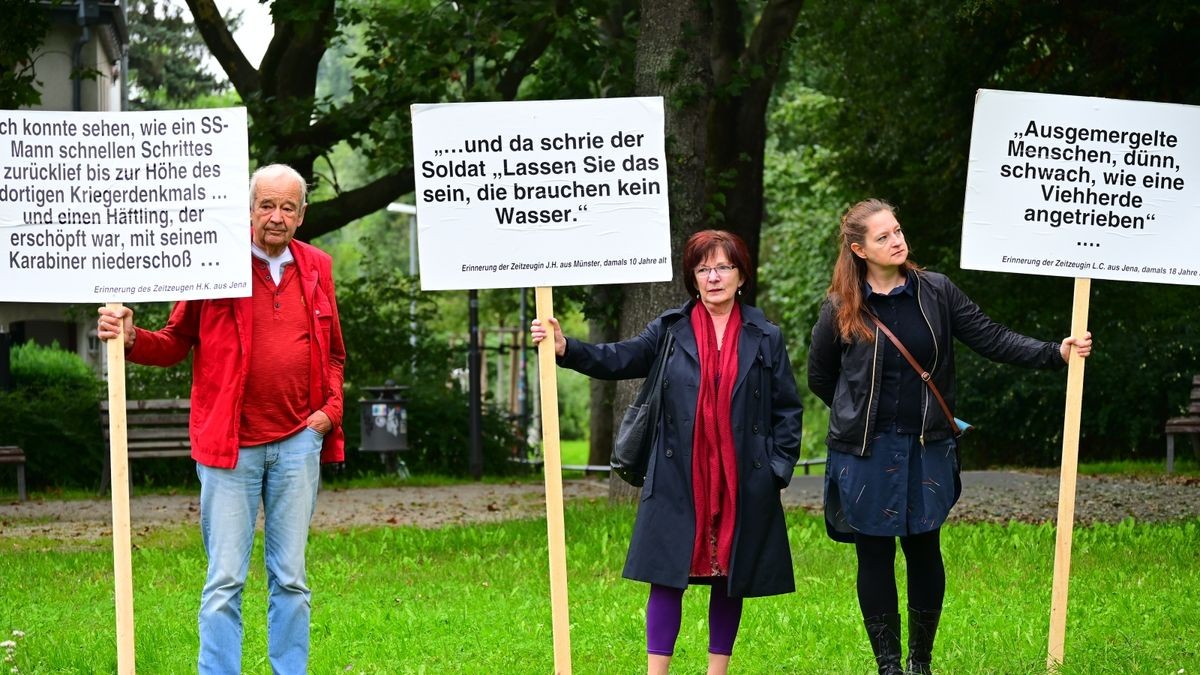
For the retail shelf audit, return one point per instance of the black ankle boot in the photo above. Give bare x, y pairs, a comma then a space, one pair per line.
884, 633
922, 626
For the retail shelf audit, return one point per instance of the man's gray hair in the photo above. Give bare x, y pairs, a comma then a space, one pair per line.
276, 171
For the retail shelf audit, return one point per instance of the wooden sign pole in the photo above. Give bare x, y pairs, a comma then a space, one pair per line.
552, 464
119, 463
1066, 481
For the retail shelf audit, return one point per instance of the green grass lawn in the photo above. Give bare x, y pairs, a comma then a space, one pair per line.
574, 452
474, 599
1142, 468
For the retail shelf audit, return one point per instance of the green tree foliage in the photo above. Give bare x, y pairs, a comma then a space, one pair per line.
904, 76
166, 57
26, 26
715, 62
404, 53
386, 322
143, 382
804, 199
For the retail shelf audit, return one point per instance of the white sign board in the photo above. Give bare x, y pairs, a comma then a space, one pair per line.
1083, 187
541, 193
122, 207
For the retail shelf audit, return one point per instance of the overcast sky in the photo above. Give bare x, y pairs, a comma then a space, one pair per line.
253, 35
256, 30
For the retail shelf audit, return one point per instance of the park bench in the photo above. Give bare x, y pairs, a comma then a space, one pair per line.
11, 454
806, 463
155, 428
1188, 425
600, 468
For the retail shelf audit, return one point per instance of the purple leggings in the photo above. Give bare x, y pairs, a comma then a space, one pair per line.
664, 612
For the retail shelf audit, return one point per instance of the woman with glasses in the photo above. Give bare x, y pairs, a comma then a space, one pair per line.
893, 456
728, 437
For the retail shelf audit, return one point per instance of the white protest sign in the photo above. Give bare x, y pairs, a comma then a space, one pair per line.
541, 193
1083, 187
135, 206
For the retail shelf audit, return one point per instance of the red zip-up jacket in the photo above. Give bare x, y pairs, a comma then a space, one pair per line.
219, 331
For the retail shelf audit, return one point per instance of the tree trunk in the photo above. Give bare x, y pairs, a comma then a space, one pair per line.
716, 83
602, 328
672, 61
745, 70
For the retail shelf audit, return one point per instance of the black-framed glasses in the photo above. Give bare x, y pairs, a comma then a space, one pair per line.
721, 270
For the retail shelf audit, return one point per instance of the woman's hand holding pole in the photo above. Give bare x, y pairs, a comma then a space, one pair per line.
538, 333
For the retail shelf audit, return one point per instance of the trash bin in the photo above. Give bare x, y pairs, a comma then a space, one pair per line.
384, 425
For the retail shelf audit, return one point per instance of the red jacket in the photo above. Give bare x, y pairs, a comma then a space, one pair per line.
219, 331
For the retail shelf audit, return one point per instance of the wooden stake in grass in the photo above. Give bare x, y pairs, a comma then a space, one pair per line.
1066, 481
552, 465
119, 463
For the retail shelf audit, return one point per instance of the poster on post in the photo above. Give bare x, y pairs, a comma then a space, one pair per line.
1083, 187
114, 207
130, 207
1088, 188
541, 193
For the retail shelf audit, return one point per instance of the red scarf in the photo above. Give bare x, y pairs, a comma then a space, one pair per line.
714, 457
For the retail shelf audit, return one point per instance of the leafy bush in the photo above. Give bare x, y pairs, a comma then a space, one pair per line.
53, 414
40, 367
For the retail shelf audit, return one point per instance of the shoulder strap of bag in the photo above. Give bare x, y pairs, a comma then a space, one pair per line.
925, 376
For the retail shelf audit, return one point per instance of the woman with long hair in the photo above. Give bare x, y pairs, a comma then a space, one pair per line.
893, 463
727, 440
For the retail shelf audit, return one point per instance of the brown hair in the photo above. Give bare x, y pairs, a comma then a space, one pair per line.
850, 271
702, 244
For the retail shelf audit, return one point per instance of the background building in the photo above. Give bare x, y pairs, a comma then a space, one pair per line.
81, 65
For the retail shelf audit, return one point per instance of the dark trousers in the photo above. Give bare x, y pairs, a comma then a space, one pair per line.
877, 572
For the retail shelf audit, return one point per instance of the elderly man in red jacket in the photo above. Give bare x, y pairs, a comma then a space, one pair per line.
266, 411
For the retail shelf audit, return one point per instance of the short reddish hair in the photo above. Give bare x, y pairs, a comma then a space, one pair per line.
706, 242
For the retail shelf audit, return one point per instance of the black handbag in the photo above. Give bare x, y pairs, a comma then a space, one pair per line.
635, 437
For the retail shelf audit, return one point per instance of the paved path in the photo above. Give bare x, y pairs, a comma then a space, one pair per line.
336, 509
1001, 496
993, 496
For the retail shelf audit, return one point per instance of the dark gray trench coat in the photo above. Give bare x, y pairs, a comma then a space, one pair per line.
765, 414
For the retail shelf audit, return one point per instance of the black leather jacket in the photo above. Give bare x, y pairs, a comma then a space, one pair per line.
847, 375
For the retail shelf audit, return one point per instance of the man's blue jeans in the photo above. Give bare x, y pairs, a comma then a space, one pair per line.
284, 475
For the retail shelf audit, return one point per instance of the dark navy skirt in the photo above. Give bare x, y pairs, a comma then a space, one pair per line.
899, 490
